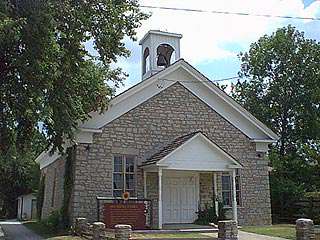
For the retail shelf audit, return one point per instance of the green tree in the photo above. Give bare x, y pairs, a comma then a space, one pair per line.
281, 86
20, 174
46, 73
49, 79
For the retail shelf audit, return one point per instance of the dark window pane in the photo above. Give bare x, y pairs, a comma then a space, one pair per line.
129, 164
132, 193
238, 198
117, 181
226, 184
130, 181
117, 163
117, 193
226, 198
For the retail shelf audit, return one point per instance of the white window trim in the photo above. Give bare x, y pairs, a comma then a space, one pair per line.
238, 174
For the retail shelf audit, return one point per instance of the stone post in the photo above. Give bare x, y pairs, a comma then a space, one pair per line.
123, 232
228, 230
98, 230
305, 229
80, 226
2, 237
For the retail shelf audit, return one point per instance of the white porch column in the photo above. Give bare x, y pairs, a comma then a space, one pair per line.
160, 198
234, 196
145, 183
215, 186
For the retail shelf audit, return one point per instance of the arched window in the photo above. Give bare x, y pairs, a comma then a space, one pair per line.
165, 55
146, 61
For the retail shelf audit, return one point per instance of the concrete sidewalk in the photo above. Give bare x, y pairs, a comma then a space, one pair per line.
15, 230
253, 236
246, 236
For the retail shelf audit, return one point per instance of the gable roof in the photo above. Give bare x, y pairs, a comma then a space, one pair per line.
204, 152
194, 81
169, 148
199, 85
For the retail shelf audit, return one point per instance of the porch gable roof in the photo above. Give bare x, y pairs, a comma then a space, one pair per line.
193, 151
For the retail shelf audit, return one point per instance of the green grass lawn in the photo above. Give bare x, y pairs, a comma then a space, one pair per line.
46, 233
280, 230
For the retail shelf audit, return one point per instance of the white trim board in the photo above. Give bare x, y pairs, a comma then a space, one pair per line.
45, 158
83, 135
199, 85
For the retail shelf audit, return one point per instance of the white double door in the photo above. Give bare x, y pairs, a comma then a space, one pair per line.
180, 196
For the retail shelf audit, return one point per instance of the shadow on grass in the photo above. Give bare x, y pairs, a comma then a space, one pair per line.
47, 233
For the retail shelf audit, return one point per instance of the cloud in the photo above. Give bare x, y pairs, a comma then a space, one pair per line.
214, 38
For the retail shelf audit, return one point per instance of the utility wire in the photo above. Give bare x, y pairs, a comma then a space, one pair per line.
231, 13
216, 80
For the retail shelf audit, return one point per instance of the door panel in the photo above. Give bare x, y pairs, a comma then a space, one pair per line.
180, 197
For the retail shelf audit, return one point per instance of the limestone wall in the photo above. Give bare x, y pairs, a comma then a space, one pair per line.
147, 128
53, 190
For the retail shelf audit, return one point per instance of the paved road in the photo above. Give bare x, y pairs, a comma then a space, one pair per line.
14, 230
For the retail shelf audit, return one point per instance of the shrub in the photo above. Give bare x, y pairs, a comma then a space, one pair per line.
312, 195
208, 215
53, 222
222, 214
312, 206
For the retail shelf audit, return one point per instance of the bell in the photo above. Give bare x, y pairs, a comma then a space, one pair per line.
161, 60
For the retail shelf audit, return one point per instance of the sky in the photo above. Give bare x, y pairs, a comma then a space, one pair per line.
212, 42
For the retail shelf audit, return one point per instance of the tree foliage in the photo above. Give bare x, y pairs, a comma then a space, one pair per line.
47, 75
20, 174
281, 86
50, 81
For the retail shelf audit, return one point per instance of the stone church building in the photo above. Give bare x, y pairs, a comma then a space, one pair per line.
175, 139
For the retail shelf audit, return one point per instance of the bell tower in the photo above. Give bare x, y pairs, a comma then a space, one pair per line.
159, 50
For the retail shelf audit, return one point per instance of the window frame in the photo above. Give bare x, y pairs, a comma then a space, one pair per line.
230, 191
124, 175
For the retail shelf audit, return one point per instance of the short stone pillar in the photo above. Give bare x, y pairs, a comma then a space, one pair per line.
305, 229
123, 232
80, 226
2, 237
98, 230
228, 230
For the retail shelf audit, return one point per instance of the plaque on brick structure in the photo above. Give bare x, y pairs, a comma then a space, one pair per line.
125, 213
